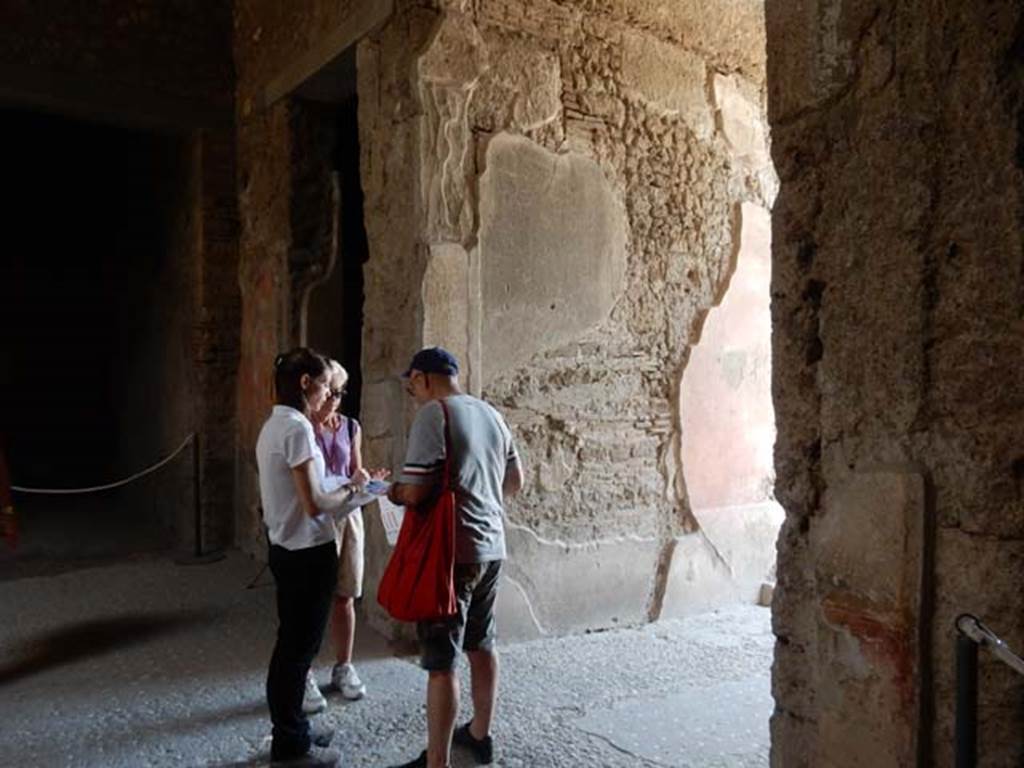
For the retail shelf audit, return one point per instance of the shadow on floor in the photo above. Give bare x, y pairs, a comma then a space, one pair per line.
88, 639
18, 565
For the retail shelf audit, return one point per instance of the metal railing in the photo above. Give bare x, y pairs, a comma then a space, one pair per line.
972, 634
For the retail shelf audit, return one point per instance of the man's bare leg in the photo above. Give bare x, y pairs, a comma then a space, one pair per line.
483, 671
442, 707
343, 628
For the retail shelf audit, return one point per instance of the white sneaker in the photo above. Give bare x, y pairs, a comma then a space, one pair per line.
346, 680
312, 700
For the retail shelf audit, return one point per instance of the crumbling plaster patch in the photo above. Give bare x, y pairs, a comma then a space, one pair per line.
600, 582
670, 80
521, 90
592, 400
446, 302
552, 249
740, 120
727, 426
725, 561
727, 419
449, 70
871, 607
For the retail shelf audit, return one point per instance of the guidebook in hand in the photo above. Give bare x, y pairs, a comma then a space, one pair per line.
373, 487
368, 494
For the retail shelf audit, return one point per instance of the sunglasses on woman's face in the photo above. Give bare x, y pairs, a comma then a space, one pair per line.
337, 394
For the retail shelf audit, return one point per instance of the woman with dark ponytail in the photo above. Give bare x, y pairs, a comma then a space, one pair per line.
303, 557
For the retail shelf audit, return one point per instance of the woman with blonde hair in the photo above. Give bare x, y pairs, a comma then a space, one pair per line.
339, 438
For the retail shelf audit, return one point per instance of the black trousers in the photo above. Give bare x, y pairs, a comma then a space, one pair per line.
305, 588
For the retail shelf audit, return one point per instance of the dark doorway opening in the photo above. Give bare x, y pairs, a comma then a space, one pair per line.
96, 378
335, 309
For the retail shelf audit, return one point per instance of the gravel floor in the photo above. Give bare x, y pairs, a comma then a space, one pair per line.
153, 664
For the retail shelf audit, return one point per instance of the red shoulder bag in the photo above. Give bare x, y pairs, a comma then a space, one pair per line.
418, 582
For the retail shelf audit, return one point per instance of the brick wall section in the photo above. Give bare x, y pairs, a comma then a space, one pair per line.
166, 65
177, 50
216, 336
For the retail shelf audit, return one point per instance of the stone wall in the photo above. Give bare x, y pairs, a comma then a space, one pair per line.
288, 230
898, 298
576, 177
215, 333
554, 195
165, 69
143, 61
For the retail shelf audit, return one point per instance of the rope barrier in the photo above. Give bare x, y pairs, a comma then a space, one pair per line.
108, 486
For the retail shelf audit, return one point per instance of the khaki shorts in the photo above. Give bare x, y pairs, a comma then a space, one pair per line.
472, 628
350, 537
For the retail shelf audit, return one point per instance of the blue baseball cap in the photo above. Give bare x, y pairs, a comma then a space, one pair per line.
433, 360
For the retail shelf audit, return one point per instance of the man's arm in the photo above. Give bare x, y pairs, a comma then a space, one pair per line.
410, 495
513, 481
420, 477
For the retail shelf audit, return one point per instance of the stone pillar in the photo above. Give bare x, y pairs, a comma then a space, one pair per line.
215, 333
391, 132
264, 238
896, 302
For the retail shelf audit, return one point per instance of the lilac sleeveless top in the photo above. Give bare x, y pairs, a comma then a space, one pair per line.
337, 447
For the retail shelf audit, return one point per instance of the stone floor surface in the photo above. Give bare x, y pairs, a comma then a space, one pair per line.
148, 663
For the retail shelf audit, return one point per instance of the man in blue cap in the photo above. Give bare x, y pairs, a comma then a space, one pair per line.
485, 469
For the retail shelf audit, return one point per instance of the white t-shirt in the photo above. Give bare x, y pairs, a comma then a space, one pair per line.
286, 441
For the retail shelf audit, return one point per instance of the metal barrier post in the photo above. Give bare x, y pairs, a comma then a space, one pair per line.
966, 730
197, 495
199, 556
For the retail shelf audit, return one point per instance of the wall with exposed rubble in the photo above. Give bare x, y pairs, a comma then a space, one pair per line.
898, 298
556, 196
569, 187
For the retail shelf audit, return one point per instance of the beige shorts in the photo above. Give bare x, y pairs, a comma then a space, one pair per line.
350, 536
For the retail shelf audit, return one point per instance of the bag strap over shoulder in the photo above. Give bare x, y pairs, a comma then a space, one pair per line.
447, 471
351, 424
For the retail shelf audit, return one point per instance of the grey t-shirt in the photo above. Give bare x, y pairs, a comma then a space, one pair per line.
482, 449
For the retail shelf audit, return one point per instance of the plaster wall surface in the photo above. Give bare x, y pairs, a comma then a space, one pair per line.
586, 167
514, 156
728, 422
897, 300
727, 427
